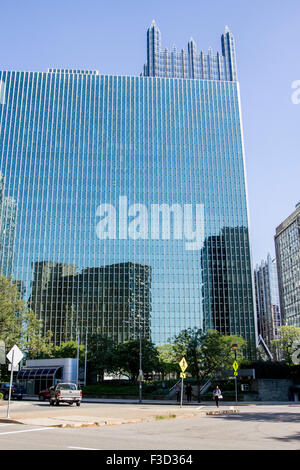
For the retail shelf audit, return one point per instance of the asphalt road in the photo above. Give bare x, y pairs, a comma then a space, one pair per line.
254, 428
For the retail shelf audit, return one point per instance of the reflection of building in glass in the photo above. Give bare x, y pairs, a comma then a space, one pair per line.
227, 284
114, 300
92, 139
287, 244
267, 300
8, 216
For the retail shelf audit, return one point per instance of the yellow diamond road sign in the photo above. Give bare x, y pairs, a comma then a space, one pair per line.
235, 366
183, 364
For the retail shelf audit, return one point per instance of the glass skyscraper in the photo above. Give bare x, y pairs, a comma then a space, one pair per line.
8, 216
287, 246
136, 179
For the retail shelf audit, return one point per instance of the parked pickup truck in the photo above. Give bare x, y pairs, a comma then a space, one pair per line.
65, 393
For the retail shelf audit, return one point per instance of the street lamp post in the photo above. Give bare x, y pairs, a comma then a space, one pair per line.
141, 370
78, 333
85, 355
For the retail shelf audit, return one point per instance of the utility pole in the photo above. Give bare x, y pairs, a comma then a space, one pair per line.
78, 330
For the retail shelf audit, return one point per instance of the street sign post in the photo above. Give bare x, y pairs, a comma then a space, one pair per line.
14, 356
235, 368
183, 366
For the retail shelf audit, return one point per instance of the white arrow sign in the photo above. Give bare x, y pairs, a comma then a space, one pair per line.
15, 355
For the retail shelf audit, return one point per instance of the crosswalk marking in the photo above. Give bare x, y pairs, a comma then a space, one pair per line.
25, 430
82, 448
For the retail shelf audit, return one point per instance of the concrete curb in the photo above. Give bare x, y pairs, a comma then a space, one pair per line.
114, 422
9, 420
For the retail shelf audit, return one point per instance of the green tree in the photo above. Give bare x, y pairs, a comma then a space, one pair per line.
33, 343
129, 354
12, 310
69, 349
288, 344
206, 353
167, 359
101, 356
18, 324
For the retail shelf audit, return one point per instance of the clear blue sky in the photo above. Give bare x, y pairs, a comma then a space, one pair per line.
110, 36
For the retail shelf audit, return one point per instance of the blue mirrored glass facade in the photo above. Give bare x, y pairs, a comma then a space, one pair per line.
132, 208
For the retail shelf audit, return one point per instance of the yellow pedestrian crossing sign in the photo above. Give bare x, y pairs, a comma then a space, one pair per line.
235, 366
183, 364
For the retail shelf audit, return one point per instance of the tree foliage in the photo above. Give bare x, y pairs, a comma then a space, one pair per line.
33, 343
288, 344
206, 353
19, 325
101, 356
129, 354
167, 359
69, 349
12, 310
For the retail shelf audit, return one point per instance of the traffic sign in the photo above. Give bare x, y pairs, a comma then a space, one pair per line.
15, 355
183, 364
15, 367
182, 375
235, 366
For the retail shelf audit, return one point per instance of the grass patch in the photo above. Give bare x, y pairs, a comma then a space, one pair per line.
160, 417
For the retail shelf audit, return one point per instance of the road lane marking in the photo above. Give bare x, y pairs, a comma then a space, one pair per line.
25, 430
82, 448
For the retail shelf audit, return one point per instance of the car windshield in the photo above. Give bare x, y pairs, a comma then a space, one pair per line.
66, 387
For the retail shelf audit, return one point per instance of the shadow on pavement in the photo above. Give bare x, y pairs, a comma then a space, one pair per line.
292, 437
276, 417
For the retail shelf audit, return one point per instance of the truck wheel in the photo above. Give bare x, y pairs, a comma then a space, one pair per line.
78, 403
41, 398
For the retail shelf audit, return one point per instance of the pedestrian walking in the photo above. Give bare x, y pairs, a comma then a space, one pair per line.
217, 395
188, 392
